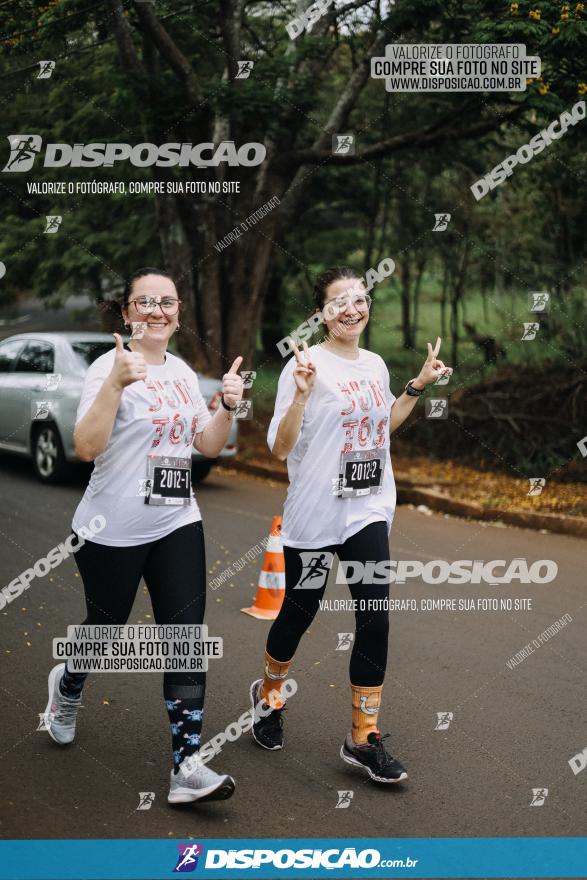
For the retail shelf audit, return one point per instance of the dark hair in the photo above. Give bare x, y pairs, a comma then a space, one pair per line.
323, 281
140, 273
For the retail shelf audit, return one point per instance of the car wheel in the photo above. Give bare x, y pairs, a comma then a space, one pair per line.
200, 470
48, 456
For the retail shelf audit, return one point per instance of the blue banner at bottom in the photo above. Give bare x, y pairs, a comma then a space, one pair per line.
414, 857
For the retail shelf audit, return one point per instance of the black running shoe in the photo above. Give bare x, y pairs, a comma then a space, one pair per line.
373, 758
267, 727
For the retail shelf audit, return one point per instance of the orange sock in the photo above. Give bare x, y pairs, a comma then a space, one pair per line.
275, 675
366, 705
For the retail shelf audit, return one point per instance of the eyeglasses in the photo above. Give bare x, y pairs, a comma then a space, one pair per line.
334, 307
169, 305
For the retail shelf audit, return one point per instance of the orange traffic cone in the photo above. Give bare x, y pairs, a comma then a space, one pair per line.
271, 590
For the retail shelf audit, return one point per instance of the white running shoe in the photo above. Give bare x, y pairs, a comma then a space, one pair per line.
201, 784
61, 712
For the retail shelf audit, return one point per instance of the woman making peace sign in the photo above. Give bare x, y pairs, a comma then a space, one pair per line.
140, 412
333, 415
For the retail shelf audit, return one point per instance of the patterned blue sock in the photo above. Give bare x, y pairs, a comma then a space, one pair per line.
185, 718
71, 684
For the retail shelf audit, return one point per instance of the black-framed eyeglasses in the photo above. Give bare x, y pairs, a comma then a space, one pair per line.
145, 305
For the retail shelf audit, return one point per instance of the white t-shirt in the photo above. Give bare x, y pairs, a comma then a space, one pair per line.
348, 410
159, 415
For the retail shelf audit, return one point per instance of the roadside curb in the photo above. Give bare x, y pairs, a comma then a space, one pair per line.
409, 493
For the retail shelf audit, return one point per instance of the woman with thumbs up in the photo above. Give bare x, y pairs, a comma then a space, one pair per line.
140, 412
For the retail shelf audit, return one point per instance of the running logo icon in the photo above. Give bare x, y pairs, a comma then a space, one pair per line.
344, 800
443, 720
315, 569
530, 331
146, 800
244, 69
46, 68
343, 144
436, 408
53, 223
539, 302
23, 151
344, 641
537, 484
441, 222
187, 860
539, 795
243, 410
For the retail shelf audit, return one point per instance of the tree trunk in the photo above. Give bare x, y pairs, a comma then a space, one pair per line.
405, 276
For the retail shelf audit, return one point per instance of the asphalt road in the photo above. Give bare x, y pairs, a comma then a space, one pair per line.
512, 730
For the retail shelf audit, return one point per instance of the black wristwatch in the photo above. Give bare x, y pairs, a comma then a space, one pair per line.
225, 405
414, 392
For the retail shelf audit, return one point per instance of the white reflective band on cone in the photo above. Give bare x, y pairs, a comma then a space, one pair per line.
272, 580
274, 544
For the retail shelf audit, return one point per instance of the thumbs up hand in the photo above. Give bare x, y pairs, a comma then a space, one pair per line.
129, 366
232, 384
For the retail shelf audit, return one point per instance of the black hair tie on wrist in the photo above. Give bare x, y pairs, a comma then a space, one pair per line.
225, 405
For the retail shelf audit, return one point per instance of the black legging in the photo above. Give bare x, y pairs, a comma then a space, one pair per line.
174, 569
369, 654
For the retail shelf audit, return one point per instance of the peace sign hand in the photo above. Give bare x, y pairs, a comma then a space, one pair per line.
432, 368
232, 384
304, 372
